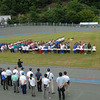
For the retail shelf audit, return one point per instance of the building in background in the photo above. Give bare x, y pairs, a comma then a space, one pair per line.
4, 18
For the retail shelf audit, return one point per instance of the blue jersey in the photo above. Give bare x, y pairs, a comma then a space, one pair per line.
38, 75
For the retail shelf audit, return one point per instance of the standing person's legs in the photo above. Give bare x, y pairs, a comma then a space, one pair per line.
67, 89
63, 94
47, 93
40, 85
18, 82
10, 81
29, 85
1, 81
44, 93
52, 86
33, 90
59, 92
14, 85
22, 89
25, 89
6, 83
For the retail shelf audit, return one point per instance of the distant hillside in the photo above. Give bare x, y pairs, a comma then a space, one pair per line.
24, 11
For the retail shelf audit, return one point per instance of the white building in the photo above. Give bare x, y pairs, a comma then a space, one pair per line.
4, 18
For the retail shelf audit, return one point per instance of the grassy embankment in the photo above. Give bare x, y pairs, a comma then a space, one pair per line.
68, 60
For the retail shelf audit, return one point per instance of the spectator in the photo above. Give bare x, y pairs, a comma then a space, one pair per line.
67, 82
15, 79
32, 85
50, 76
38, 76
23, 83
46, 83
61, 83
9, 73
28, 76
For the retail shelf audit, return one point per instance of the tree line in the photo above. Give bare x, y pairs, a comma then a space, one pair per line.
34, 11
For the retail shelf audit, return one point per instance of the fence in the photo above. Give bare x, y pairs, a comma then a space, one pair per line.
51, 24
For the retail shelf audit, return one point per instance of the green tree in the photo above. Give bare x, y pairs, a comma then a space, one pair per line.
56, 15
75, 6
4, 10
34, 17
71, 17
86, 16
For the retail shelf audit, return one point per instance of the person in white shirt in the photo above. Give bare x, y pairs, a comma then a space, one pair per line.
9, 73
50, 77
28, 76
2, 48
4, 78
23, 83
22, 70
46, 82
61, 83
67, 82
27, 48
94, 49
32, 84
23, 49
16, 73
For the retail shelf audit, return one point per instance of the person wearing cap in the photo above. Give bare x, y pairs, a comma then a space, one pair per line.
38, 77
23, 82
28, 76
50, 77
67, 80
9, 73
61, 83
14, 78
21, 71
4, 78
46, 82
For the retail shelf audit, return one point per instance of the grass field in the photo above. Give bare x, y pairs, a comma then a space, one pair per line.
68, 60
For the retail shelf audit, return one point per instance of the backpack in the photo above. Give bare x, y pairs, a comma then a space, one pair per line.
3, 77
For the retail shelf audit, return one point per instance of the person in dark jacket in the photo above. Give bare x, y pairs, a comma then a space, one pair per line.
19, 63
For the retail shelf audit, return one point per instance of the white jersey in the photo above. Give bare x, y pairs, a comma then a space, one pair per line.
32, 81
4, 73
20, 73
94, 48
29, 73
66, 78
50, 75
23, 79
8, 72
16, 72
46, 81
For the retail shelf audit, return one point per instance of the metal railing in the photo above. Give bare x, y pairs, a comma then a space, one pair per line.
50, 24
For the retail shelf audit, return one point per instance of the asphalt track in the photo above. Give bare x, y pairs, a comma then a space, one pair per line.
29, 30
85, 83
